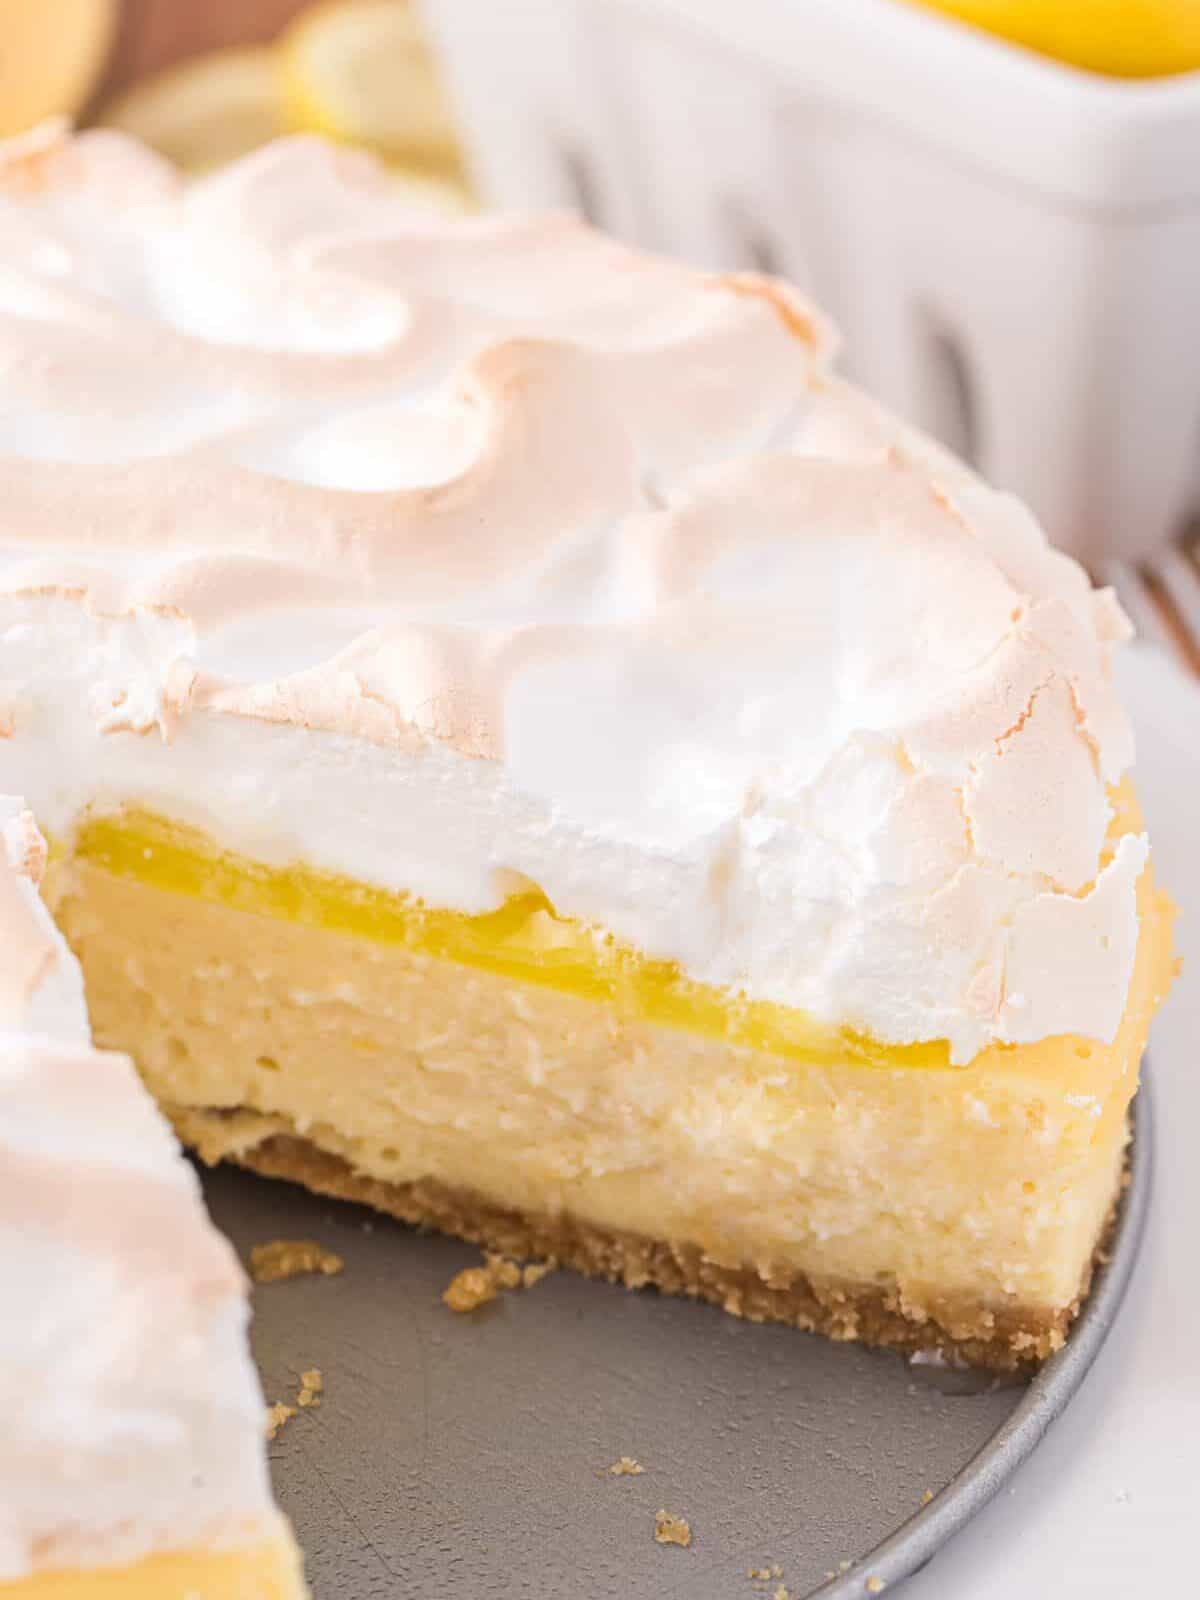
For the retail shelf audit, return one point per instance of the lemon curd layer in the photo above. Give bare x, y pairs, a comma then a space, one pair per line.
524, 939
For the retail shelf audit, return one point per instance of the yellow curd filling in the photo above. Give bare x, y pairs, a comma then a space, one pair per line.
524, 939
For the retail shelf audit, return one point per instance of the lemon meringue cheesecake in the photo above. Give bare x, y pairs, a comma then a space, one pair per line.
132, 1464
526, 746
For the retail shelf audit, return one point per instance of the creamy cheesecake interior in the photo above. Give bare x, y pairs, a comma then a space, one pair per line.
533, 1084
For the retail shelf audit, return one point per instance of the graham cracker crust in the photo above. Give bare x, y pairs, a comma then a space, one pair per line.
1004, 1339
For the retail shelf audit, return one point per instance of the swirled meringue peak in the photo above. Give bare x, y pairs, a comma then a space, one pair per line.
435, 552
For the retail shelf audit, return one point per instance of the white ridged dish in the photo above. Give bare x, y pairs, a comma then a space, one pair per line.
1010, 246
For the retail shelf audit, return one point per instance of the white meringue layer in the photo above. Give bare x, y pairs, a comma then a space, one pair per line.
436, 552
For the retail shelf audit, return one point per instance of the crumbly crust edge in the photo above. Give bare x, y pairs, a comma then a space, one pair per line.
964, 1330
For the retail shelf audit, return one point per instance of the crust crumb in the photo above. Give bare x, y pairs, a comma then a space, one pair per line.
292, 1258
471, 1288
875, 1585
1013, 1341
475, 1286
277, 1415
782, 1593
926, 1496
311, 1385
507, 1273
672, 1530
627, 1467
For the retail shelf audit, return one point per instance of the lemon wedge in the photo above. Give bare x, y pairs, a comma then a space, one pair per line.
207, 110
51, 57
361, 71
1120, 38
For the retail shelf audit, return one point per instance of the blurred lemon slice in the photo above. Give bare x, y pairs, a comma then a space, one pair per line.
207, 110
1121, 38
52, 53
437, 196
361, 71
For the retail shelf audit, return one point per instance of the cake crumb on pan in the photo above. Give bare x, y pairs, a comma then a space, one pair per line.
277, 1415
281, 1259
669, 1529
475, 1286
312, 1385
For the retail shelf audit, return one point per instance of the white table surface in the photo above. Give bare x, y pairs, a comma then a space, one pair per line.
1109, 1504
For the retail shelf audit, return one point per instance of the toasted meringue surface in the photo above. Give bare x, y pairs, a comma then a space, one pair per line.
447, 554
133, 1419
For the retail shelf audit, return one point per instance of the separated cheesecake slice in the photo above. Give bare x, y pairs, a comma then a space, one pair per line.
525, 746
132, 1460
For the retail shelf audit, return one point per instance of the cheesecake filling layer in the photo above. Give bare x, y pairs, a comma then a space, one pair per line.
269, 1570
418, 1046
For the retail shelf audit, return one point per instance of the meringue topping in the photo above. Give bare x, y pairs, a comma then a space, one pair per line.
132, 1414
434, 552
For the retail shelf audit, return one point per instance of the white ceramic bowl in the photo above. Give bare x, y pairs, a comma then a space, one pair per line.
1011, 247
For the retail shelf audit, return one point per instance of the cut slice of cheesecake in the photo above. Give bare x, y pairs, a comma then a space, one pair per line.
518, 1080
133, 1458
525, 746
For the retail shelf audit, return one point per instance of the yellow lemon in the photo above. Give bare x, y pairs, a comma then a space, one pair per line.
1121, 38
207, 110
52, 54
361, 71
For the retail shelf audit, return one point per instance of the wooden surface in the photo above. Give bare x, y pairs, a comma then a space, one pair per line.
1162, 597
